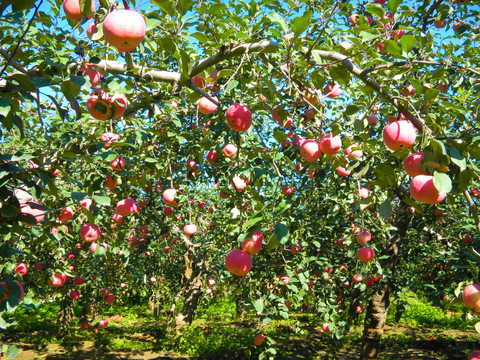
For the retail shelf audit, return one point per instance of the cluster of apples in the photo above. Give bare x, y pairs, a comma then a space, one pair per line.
239, 261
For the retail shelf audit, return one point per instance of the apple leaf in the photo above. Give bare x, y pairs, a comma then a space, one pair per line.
273, 243
12, 352
280, 136
258, 304
385, 209
4, 107
339, 74
457, 157
392, 47
393, 5
376, 9
102, 200
407, 42
281, 232
301, 23
255, 218
477, 327
278, 19
442, 182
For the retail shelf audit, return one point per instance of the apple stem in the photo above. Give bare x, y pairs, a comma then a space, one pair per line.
125, 4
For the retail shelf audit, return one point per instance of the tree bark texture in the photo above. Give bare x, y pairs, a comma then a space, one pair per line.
65, 315
377, 309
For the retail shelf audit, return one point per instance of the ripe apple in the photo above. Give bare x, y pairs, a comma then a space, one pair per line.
287, 191
103, 323
206, 107
354, 18
295, 248
365, 254
99, 106
360, 309
84, 325
342, 171
153, 279
74, 295
118, 163
66, 214
21, 269
212, 156
27, 209
413, 164
332, 91
354, 152
467, 239
310, 97
40, 265
340, 243
211, 282
208, 291
438, 213
440, 23
471, 297
190, 230
372, 120
86, 203
58, 279
79, 280
363, 192
258, 340
239, 117
117, 218
229, 150
167, 211
89, 232
310, 150
73, 11
357, 278
124, 29
127, 206
309, 114
397, 34
399, 135
423, 190
330, 145
110, 299
363, 237
92, 30
238, 183
94, 75
169, 197
253, 245
238, 262
109, 183
325, 328
119, 101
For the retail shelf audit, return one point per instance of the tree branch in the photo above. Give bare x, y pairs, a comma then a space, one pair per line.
429, 12
472, 208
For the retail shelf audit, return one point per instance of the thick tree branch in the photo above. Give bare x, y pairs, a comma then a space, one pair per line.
354, 70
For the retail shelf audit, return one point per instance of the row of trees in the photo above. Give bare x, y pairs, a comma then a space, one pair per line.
86, 125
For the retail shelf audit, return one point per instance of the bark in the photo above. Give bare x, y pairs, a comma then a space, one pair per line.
65, 315
239, 307
377, 309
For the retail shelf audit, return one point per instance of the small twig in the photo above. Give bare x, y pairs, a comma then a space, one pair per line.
429, 12
472, 208
41, 120
334, 10
265, 146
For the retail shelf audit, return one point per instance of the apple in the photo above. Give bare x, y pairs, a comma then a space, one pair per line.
332, 91
295, 248
73, 11
238, 183
471, 297
66, 214
99, 106
206, 107
117, 218
345, 45
153, 279
440, 23
110, 299
58, 279
309, 114
110, 183
330, 145
423, 190
381, 2
211, 282
27, 209
397, 34
229, 150
103, 323
7, 292
208, 291
74, 295
310, 97
167, 211
127, 206
413, 164
287, 191
86, 203
117, 164
253, 245
372, 120
360, 309
340, 243
79, 280
467, 239
124, 29
438, 213
365, 254
399, 135
381, 47
325, 328
354, 18
238, 262
212, 156
94, 75
119, 101
239, 117
224, 195
357, 278
40, 265
199, 81
169, 197
342, 171
190, 230
443, 87
310, 150
84, 325
21, 269
363, 192
92, 30
363, 237
354, 152
258, 340
123, 285
89, 232
409, 89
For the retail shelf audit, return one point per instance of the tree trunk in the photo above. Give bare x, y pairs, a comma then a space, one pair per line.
65, 315
377, 309
239, 307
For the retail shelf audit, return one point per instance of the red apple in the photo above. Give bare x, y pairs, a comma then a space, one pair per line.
167, 211
110, 299
325, 328
58, 279
73, 10
440, 23
84, 325
119, 101
74, 295
330, 145
212, 156
363, 192
66, 214
103, 323
258, 340
363, 237
365, 254
471, 297
354, 152
89, 232
423, 190
153, 279
239, 117
409, 89
310, 150
229, 150
332, 91
21, 269
399, 135
295, 248
79, 280
211, 282
253, 245
99, 106
190, 230
238, 183
40, 265
127, 206
413, 164
117, 164
287, 191
372, 120
238, 262
354, 18
467, 239
86, 203
27, 209
124, 29
94, 75
206, 107
169, 197
117, 218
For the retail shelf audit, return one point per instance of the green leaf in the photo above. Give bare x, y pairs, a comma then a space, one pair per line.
183, 6
231, 85
477, 327
258, 304
100, 252
301, 23
280, 136
281, 232
385, 209
102, 200
12, 352
186, 64
351, 109
273, 243
393, 5
4, 107
376, 9
368, 36
339, 74
278, 19
392, 48
442, 182
457, 157
284, 205
165, 5
69, 88
407, 42
255, 218
86, 7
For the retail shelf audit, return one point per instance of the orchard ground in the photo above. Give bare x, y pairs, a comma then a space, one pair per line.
423, 332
